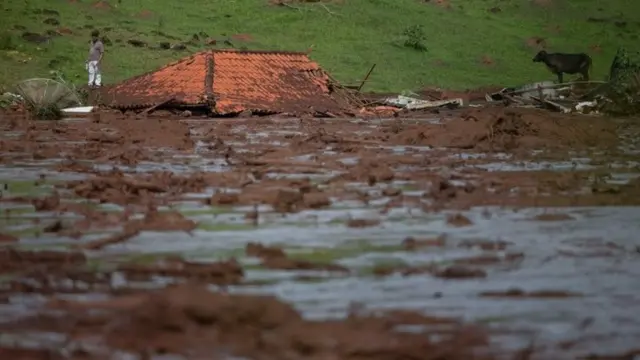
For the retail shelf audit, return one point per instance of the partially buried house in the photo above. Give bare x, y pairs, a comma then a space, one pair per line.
230, 81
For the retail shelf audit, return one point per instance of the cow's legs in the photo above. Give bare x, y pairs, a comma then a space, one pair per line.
559, 77
585, 74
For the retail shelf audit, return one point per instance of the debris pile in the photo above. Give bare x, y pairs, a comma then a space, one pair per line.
620, 95
545, 94
566, 98
392, 106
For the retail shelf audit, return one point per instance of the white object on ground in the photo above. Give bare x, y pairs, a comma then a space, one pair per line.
78, 110
415, 104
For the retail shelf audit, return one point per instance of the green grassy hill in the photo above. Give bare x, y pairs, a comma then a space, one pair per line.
470, 43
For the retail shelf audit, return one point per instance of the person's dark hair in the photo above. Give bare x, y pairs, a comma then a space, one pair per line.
95, 33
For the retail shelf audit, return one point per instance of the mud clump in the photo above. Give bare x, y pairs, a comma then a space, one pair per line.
219, 273
6, 238
287, 201
489, 259
276, 259
553, 217
386, 270
460, 272
362, 223
391, 192
16, 260
260, 251
316, 200
411, 243
485, 245
518, 293
47, 203
222, 198
292, 201
368, 171
443, 191
162, 221
29, 354
459, 220
117, 188
73, 166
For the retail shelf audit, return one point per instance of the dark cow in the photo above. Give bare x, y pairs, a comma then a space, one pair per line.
559, 63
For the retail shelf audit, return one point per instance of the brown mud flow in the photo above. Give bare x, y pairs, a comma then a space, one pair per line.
486, 233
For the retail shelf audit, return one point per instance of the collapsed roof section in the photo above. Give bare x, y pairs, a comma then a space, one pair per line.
231, 81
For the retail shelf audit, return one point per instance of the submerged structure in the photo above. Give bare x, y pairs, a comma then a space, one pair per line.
231, 81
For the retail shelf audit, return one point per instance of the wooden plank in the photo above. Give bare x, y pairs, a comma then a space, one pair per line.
152, 108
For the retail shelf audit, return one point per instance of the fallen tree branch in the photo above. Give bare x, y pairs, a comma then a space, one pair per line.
331, 139
512, 99
282, 3
287, 4
109, 240
554, 86
282, 163
327, 9
552, 105
152, 108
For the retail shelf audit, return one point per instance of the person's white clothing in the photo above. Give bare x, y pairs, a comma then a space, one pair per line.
95, 77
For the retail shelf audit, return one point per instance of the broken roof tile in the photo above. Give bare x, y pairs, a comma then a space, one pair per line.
242, 80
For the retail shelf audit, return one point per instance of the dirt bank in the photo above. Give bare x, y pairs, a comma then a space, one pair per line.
512, 129
188, 319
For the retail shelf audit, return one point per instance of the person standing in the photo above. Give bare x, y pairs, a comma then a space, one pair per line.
93, 64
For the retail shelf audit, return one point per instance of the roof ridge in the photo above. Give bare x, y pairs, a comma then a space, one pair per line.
275, 52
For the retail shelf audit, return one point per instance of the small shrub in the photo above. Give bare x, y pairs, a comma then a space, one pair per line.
6, 41
83, 95
160, 25
622, 92
49, 112
623, 98
5, 102
414, 37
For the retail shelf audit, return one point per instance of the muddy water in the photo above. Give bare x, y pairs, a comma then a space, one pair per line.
578, 265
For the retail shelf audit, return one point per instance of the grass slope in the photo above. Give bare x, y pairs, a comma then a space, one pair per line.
347, 36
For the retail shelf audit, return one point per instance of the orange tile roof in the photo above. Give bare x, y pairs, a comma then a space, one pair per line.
242, 80
183, 79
